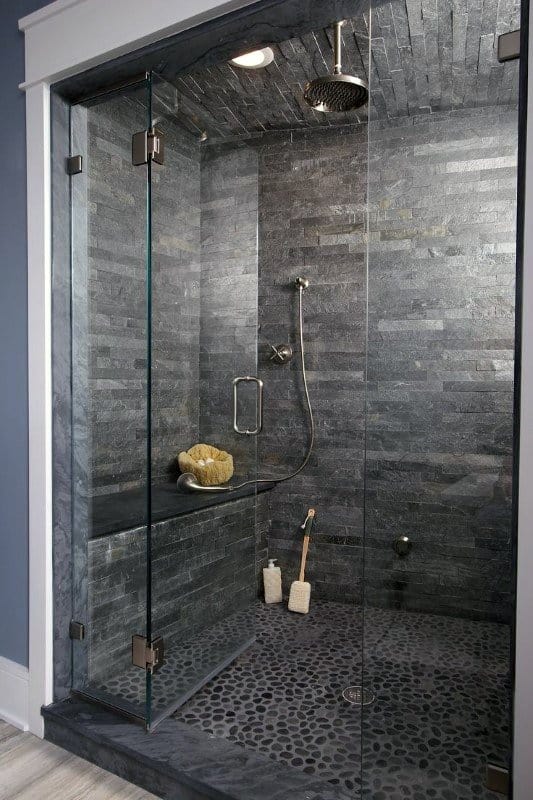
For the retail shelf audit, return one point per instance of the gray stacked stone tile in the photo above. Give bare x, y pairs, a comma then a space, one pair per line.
80, 388
203, 570
418, 57
117, 297
442, 205
176, 262
436, 463
312, 222
429, 455
228, 309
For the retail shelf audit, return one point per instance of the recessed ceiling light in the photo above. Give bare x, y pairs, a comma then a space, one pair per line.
254, 60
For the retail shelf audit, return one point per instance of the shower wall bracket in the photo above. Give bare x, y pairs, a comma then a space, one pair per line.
76, 631
149, 657
147, 146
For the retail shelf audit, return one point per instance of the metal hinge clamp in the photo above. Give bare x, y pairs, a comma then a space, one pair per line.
147, 146
146, 656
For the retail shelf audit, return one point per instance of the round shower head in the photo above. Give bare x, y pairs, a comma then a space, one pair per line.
336, 93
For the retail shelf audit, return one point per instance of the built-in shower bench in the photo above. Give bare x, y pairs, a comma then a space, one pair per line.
119, 511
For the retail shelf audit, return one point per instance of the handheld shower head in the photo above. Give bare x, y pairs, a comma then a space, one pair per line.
336, 92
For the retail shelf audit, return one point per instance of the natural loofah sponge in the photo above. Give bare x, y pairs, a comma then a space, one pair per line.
209, 465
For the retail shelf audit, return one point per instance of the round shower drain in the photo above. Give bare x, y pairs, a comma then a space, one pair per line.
358, 696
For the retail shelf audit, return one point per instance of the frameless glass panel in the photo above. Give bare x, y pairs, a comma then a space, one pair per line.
204, 336
302, 172
268, 154
109, 396
441, 271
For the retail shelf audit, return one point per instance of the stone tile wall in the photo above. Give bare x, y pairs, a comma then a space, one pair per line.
228, 310
442, 199
312, 211
203, 568
62, 407
441, 319
204, 334
176, 263
117, 291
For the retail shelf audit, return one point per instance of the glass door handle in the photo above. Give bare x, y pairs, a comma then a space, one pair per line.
259, 423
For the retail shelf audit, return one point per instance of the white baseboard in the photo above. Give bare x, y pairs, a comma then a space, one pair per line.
14, 693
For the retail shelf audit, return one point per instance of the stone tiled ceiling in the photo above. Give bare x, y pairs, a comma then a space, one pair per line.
427, 55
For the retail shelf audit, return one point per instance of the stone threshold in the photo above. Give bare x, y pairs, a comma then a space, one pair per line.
176, 761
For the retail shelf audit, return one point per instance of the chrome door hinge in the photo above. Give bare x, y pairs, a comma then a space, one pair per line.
146, 656
74, 165
147, 146
76, 630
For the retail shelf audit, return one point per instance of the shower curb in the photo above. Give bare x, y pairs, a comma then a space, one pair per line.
177, 761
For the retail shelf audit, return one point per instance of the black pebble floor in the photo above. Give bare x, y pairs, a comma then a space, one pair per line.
439, 715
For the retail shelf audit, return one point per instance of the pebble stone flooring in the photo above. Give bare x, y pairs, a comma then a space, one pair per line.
186, 665
439, 715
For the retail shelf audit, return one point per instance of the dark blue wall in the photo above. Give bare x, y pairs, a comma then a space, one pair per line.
13, 342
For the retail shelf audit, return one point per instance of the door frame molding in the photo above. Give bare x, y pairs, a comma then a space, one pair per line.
522, 780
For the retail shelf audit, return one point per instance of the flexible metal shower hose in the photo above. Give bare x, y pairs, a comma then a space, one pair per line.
187, 481
308, 403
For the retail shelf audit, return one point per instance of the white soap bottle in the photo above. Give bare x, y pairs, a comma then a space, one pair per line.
272, 582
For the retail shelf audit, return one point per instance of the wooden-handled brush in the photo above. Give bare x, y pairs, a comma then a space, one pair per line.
300, 593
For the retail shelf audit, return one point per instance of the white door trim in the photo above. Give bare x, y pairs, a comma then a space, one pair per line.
40, 688
69, 36
13, 693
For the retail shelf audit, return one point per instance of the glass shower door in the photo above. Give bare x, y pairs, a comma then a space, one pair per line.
202, 571
110, 426
163, 326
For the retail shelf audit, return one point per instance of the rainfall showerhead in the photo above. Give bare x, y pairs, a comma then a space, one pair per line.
336, 92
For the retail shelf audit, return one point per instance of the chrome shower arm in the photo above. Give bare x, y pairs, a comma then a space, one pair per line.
337, 49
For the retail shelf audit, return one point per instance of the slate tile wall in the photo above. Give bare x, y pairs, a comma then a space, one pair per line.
228, 318
115, 312
311, 222
442, 199
203, 568
441, 318
117, 297
176, 268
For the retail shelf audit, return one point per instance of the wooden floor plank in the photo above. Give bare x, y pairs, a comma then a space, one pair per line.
8, 733
31, 768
